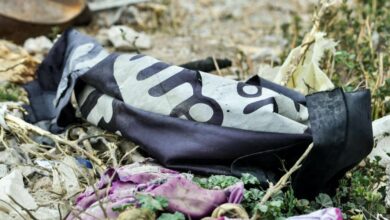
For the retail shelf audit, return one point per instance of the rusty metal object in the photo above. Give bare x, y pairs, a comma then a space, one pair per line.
21, 19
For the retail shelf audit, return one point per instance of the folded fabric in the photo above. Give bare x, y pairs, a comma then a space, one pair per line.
119, 187
192, 120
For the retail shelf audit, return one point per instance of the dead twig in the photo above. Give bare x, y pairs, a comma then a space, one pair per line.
217, 66
23, 208
273, 189
15, 209
15, 122
59, 211
283, 180
2, 138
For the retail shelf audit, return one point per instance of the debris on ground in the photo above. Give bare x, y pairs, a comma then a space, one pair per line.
381, 151
381, 132
138, 184
13, 194
137, 82
307, 77
301, 69
38, 46
125, 38
66, 146
329, 213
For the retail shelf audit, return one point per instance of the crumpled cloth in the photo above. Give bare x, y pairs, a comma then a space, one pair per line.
127, 181
192, 120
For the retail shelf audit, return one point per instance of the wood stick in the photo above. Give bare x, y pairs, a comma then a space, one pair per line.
283, 180
273, 189
13, 121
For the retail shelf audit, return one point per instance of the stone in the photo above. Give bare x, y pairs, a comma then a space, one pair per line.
125, 38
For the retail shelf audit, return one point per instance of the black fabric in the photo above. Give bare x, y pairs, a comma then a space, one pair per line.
207, 65
294, 95
342, 138
44, 89
340, 122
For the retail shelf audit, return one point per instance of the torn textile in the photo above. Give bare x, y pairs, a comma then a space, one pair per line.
192, 120
119, 188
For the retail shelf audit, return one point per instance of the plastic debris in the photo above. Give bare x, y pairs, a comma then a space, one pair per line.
13, 193
84, 162
65, 175
381, 151
323, 214
381, 132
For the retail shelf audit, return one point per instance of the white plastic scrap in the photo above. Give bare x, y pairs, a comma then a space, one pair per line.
65, 175
381, 132
125, 38
12, 186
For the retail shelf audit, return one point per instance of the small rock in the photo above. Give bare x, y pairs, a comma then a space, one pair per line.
124, 38
38, 45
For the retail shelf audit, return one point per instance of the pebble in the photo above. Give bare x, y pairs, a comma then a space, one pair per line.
38, 45
125, 38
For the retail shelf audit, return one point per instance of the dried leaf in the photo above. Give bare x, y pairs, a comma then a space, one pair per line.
307, 77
